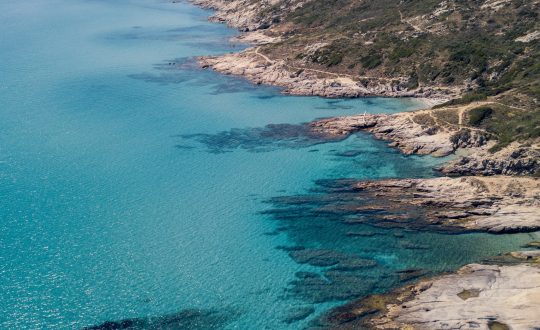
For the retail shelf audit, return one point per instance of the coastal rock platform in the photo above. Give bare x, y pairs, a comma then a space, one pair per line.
258, 68
477, 296
497, 204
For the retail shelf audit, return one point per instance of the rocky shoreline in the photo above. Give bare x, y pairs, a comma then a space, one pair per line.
246, 15
477, 296
425, 133
260, 69
254, 65
488, 197
496, 204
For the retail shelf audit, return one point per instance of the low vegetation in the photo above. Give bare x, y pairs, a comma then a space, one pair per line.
509, 124
477, 115
470, 46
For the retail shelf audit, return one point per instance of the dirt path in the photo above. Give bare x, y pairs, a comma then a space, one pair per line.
337, 75
444, 125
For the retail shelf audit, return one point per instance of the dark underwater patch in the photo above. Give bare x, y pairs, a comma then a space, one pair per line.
339, 200
204, 32
298, 313
334, 105
228, 85
173, 71
338, 229
324, 258
260, 139
187, 70
185, 319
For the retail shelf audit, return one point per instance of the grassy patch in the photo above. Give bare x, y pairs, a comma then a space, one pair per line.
371, 61
449, 116
424, 120
467, 294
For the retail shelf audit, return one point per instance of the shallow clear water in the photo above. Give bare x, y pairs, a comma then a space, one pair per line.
111, 211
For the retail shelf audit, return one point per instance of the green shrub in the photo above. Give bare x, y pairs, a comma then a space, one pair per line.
477, 115
465, 99
371, 61
412, 83
327, 56
401, 52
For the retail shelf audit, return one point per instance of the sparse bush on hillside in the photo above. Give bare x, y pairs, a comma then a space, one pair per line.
477, 115
327, 56
371, 61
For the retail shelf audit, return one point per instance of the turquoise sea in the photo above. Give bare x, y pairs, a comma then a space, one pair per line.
135, 186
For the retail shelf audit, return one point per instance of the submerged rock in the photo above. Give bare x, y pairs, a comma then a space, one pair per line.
341, 279
413, 246
499, 204
534, 244
261, 139
325, 258
298, 314
410, 274
185, 319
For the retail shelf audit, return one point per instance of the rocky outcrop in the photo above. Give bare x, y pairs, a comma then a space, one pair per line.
494, 204
402, 131
514, 159
249, 15
498, 204
411, 136
260, 69
477, 296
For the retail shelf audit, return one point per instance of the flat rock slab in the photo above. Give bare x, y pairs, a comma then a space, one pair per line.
498, 204
476, 297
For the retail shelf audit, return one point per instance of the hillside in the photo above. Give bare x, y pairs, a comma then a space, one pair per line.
457, 52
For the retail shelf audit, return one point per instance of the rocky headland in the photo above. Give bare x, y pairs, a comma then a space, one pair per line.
248, 15
442, 132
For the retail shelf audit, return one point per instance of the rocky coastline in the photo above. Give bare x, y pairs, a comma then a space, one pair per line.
260, 69
424, 132
487, 187
246, 15
499, 294
495, 204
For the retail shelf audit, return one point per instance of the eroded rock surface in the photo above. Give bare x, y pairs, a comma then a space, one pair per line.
260, 69
249, 15
400, 129
477, 296
496, 204
505, 294
515, 159
423, 132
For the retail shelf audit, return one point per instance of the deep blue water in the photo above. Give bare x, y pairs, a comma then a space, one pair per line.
134, 185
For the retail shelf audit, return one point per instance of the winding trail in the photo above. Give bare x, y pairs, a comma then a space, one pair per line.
461, 112
337, 75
